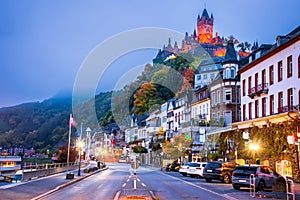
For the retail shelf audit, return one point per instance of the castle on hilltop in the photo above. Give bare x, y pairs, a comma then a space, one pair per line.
200, 42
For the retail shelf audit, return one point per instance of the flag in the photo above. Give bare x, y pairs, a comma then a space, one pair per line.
72, 121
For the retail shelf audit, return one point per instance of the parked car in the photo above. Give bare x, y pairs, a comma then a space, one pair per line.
264, 177
184, 168
218, 171
174, 166
196, 170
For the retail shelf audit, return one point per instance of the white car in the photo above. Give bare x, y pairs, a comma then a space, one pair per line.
184, 168
196, 170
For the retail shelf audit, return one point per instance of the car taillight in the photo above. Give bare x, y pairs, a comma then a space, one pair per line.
218, 169
233, 173
199, 168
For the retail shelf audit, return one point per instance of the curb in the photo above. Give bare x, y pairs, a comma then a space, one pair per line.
67, 184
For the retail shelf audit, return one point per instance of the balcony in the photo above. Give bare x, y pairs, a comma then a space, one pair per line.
288, 108
258, 90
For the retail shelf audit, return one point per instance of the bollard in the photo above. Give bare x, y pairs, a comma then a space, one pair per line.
134, 181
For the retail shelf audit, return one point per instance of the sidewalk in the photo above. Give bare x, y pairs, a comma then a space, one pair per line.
32, 189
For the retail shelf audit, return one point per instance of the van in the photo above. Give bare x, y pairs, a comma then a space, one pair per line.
19, 174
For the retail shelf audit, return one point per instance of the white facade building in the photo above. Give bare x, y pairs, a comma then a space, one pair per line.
270, 83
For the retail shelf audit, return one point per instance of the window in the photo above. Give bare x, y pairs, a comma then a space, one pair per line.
249, 84
205, 76
200, 110
279, 71
263, 77
213, 96
289, 67
244, 112
181, 115
207, 108
228, 96
264, 106
280, 100
271, 75
299, 67
256, 81
256, 109
198, 77
244, 87
237, 96
212, 76
218, 96
232, 71
290, 98
176, 117
227, 73
271, 104
250, 111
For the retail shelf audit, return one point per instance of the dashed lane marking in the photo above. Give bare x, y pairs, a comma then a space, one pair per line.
124, 185
143, 185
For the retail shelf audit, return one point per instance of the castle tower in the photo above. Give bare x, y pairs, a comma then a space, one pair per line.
205, 27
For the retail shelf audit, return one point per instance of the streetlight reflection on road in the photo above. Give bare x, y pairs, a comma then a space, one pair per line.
80, 145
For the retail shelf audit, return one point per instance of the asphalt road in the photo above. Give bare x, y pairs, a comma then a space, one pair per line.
118, 181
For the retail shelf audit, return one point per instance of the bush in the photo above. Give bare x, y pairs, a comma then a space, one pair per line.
139, 149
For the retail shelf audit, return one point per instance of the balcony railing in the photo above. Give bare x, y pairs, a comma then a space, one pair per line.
258, 90
288, 108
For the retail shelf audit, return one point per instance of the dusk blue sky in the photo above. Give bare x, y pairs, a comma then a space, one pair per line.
43, 43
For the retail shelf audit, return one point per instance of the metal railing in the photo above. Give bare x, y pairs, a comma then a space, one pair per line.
290, 188
252, 185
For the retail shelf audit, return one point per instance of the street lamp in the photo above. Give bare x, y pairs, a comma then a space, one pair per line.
80, 146
253, 147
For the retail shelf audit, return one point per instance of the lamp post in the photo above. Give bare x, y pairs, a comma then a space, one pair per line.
253, 147
80, 146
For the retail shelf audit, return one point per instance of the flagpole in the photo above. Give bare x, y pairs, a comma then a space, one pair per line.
69, 139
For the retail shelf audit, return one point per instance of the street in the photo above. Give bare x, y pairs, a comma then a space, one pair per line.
118, 179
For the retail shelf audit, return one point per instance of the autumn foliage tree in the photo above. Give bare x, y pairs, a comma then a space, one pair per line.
188, 82
177, 147
144, 98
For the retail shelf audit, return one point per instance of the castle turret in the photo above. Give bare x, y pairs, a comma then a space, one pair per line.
205, 27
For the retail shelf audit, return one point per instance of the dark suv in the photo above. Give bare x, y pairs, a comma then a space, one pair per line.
264, 177
218, 171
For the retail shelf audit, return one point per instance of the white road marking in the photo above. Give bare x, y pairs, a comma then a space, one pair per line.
128, 180
117, 195
138, 180
124, 185
207, 190
143, 185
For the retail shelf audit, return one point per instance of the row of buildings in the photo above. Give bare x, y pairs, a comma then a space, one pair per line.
230, 93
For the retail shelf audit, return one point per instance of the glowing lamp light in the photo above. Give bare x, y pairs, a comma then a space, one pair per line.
253, 147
